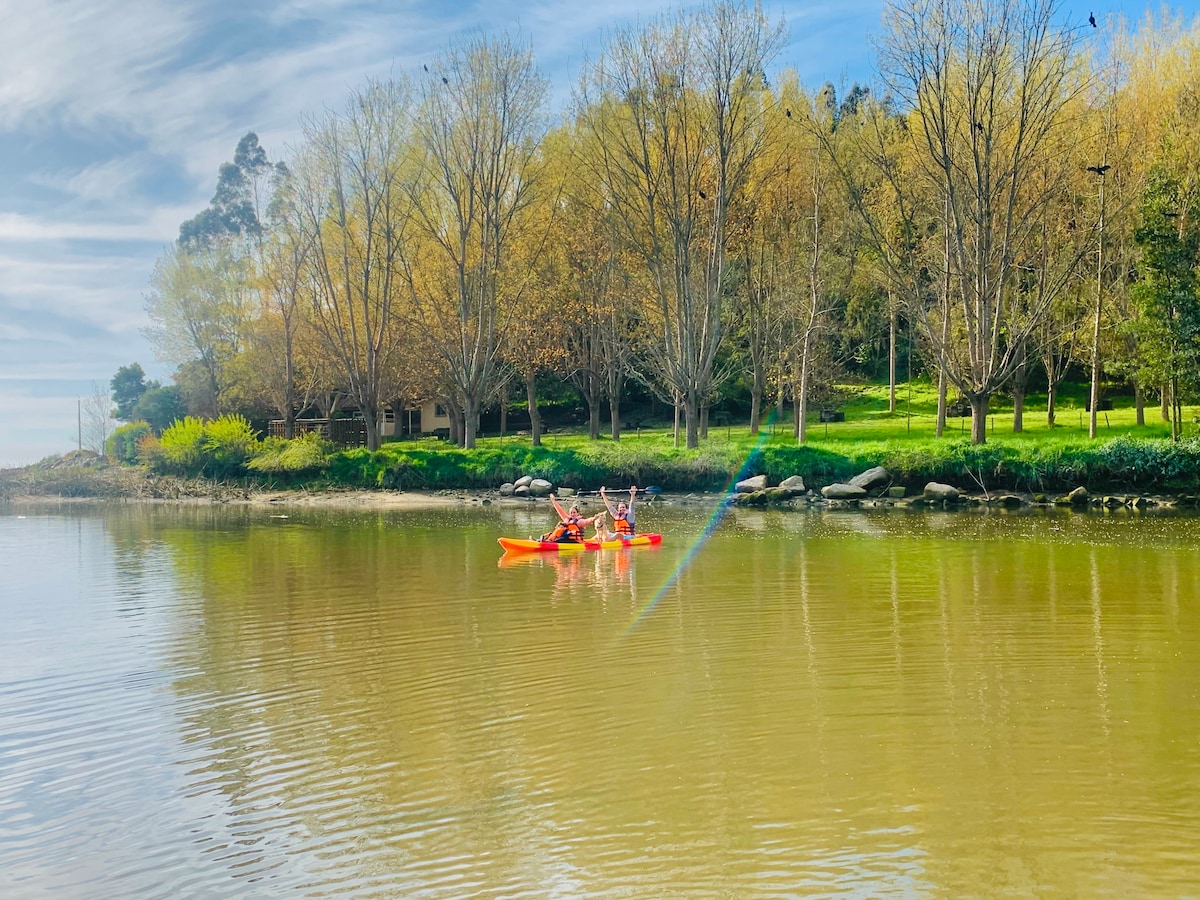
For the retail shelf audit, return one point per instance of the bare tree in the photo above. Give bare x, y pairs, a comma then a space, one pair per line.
985, 88
96, 421
480, 126
352, 216
676, 110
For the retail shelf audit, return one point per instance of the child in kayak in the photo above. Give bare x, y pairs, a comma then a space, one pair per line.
570, 529
623, 515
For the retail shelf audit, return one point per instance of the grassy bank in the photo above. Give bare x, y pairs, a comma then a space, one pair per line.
212, 460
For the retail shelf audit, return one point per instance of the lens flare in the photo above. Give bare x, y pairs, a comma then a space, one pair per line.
714, 520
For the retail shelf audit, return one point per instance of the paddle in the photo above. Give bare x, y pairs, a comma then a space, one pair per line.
651, 491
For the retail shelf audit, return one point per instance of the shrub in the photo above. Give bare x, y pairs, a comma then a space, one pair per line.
307, 454
122, 444
181, 447
191, 447
228, 442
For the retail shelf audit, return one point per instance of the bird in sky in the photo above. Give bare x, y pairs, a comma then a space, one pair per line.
1092, 20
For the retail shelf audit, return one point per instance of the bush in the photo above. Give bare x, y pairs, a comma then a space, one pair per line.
192, 448
181, 448
307, 454
228, 443
122, 444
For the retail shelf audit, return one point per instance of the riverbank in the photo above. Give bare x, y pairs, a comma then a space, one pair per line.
79, 478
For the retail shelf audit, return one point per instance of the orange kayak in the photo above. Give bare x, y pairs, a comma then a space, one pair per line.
522, 545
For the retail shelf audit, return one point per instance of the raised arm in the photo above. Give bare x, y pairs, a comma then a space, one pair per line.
562, 513
604, 496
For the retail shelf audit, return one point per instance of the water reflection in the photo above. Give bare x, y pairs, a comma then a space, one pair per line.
215, 702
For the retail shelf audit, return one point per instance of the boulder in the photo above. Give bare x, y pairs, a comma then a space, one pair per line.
506, 489
871, 478
523, 481
540, 487
936, 491
751, 484
897, 492
1078, 497
843, 492
793, 485
566, 492
522, 491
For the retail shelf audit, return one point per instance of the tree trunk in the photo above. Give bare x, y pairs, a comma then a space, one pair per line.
1020, 380
1139, 402
614, 414
892, 327
691, 417
1051, 395
704, 422
535, 417
594, 421
371, 420
979, 414
802, 398
756, 396
943, 390
504, 412
470, 422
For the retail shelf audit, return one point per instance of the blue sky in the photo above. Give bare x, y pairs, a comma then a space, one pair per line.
116, 114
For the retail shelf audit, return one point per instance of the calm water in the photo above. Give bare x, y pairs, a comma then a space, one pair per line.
206, 702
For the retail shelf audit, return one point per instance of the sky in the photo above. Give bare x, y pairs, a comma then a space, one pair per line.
115, 116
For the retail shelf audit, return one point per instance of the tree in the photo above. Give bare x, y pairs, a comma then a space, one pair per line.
987, 86
675, 109
199, 304
127, 385
480, 126
236, 207
159, 406
352, 208
1168, 288
96, 419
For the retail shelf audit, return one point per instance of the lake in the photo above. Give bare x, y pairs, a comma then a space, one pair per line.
204, 701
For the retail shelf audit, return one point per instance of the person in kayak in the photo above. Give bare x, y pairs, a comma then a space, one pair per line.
623, 515
570, 529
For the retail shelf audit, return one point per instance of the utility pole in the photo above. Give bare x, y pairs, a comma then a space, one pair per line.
79, 422
1100, 170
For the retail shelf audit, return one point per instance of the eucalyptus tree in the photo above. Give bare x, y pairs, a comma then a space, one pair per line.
675, 108
986, 88
351, 215
480, 123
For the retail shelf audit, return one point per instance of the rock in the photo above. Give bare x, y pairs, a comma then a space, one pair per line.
521, 491
752, 484
523, 481
566, 492
793, 485
540, 487
1078, 497
897, 492
506, 489
1008, 501
843, 492
936, 491
871, 478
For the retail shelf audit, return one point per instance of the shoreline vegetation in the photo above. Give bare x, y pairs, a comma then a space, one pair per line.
1123, 471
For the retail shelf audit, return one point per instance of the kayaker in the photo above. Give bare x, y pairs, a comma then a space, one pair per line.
570, 529
623, 515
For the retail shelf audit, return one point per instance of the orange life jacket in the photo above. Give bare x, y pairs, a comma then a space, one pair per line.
568, 531
622, 525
